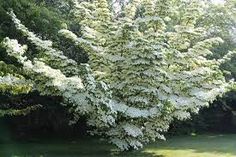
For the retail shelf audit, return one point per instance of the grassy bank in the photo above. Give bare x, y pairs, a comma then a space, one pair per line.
185, 146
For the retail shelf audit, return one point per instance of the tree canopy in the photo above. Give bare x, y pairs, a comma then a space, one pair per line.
147, 65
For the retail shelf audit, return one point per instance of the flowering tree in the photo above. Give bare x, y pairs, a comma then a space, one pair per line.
147, 66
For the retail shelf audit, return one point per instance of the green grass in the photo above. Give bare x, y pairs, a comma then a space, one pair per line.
185, 146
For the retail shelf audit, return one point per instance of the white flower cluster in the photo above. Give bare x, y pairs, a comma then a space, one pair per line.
14, 85
87, 98
156, 66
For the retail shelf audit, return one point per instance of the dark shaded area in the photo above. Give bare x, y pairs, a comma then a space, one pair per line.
83, 147
219, 117
44, 124
51, 120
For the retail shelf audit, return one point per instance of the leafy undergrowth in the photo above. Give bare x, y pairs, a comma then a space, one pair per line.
181, 146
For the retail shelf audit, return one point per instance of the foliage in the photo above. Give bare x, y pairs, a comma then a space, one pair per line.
147, 67
39, 17
219, 20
